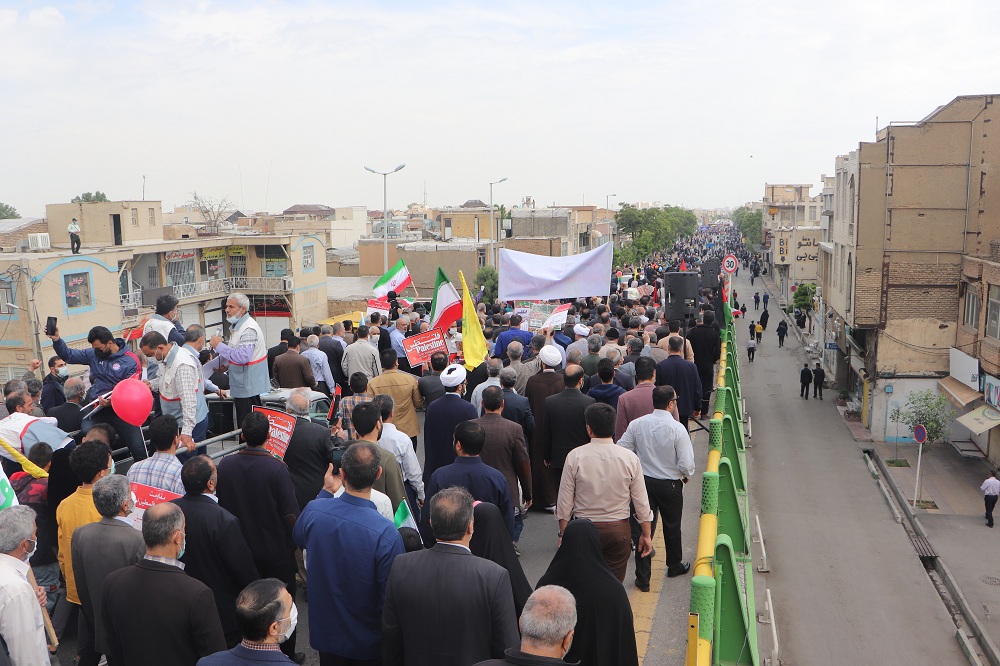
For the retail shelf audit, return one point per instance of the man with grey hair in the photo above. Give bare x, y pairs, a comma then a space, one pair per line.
245, 353
589, 362
21, 625
547, 626
445, 600
320, 364
310, 449
67, 415
97, 549
493, 368
155, 592
516, 407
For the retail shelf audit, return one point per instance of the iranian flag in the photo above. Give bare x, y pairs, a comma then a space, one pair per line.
397, 279
447, 306
403, 517
7, 496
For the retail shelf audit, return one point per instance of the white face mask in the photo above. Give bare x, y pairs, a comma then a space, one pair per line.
34, 547
293, 620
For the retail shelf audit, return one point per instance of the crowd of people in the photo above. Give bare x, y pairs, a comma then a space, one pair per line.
401, 562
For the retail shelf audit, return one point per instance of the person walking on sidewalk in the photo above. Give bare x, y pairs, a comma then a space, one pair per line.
782, 331
764, 316
767, 297
753, 329
819, 376
751, 348
758, 332
756, 300
805, 379
991, 488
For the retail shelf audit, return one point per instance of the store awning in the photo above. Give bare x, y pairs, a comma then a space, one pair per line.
981, 419
959, 393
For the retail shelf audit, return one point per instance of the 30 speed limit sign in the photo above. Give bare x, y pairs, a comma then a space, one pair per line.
729, 263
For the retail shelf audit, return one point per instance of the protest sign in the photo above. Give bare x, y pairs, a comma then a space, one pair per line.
419, 348
144, 497
282, 426
558, 317
379, 306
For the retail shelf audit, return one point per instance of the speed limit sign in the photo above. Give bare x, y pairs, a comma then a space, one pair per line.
729, 263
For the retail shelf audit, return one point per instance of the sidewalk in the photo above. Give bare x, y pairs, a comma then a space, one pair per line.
956, 528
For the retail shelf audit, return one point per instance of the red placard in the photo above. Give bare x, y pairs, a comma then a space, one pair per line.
146, 496
419, 348
282, 427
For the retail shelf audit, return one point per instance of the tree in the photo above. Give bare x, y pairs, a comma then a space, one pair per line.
803, 298
487, 277
8, 212
214, 211
652, 230
88, 197
750, 223
929, 408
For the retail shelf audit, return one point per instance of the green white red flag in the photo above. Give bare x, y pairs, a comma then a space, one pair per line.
7, 496
397, 279
447, 305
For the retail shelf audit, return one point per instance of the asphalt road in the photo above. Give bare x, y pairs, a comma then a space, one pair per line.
845, 580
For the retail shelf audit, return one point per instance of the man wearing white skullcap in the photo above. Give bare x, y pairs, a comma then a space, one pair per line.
440, 420
580, 342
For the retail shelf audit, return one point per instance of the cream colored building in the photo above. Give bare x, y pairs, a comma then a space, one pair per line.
792, 233
123, 268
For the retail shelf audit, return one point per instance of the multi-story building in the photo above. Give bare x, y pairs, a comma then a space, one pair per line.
907, 208
125, 264
792, 234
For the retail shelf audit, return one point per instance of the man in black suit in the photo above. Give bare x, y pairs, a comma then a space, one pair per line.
67, 415
683, 377
429, 384
334, 350
706, 343
278, 349
444, 606
564, 427
97, 549
216, 553
152, 612
309, 452
516, 407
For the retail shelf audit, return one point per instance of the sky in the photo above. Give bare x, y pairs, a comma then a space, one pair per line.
270, 103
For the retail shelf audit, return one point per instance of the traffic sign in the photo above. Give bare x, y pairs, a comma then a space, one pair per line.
729, 263
920, 433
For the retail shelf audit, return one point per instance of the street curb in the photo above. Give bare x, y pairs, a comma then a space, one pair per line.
985, 642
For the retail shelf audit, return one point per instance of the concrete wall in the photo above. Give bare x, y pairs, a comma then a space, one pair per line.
539, 222
548, 247
370, 254
336, 268
883, 428
423, 263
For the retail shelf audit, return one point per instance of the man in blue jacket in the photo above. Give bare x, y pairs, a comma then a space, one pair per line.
266, 614
110, 362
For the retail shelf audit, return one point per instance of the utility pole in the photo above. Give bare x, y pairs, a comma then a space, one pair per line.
32, 312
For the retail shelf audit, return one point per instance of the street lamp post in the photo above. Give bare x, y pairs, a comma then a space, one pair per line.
492, 221
607, 209
385, 214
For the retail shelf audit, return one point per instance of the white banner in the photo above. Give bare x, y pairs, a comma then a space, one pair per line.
525, 276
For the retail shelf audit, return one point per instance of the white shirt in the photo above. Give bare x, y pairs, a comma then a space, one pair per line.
662, 444
20, 615
477, 394
402, 447
382, 503
991, 486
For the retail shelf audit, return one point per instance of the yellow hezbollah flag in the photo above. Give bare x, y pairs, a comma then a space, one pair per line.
473, 340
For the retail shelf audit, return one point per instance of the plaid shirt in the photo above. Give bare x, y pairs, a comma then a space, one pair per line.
162, 470
164, 560
347, 406
252, 645
186, 383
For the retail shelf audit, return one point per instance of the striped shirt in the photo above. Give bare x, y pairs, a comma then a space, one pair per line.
347, 405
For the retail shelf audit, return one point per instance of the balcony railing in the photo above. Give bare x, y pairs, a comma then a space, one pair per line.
132, 299
206, 288
271, 284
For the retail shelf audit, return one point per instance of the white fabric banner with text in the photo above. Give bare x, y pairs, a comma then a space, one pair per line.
525, 276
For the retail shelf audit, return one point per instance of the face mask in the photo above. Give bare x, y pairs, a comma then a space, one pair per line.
158, 358
293, 620
63, 372
34, 547
452, 331
112, 466
184, 546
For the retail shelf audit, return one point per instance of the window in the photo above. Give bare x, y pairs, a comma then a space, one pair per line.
971, 306
308, 257
76, 289
154, 277
482, 258
238, 265
6, 298
993, 313
152, 217
135, 217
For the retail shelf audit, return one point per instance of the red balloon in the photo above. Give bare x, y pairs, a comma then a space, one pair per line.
132, 401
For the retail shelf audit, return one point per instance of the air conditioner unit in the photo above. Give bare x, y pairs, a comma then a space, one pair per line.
39, 241
289, 283
22, 245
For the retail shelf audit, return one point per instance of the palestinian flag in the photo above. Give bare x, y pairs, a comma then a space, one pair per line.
403, 517
447, 305
397, 279
7, 496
